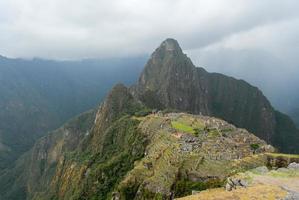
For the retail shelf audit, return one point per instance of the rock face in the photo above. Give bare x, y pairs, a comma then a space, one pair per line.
170, 80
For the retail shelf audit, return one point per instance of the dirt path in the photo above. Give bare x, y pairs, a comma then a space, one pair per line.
256, 192
291, 184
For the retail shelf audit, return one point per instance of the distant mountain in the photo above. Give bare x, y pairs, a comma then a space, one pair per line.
39, 95
170, 80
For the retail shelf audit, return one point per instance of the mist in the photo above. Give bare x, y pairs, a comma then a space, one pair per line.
252, 40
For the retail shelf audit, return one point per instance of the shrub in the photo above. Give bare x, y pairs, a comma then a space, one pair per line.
254, 146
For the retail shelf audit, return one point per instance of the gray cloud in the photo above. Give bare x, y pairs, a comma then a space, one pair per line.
97, 28
250, 39
265, 56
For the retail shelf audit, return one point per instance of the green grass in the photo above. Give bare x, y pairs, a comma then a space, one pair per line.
182, 127
188, 125
283, 155
284, 174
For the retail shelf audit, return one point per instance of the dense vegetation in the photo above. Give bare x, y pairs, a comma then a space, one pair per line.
40, 95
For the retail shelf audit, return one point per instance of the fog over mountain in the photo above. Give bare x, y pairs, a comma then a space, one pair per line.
256, 40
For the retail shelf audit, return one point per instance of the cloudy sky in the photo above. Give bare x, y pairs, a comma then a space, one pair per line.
256, 40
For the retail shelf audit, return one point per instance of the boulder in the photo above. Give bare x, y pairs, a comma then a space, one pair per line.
293, 166
233, 183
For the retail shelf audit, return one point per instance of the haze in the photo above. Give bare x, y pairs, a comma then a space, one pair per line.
249, 39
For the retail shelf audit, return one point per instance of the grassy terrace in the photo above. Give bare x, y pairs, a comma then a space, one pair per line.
283, 155
187, 124
182, 127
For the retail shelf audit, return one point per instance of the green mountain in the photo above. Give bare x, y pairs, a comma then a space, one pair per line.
170, 80
40, 95
141, 143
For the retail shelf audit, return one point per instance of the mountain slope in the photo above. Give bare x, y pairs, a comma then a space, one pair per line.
119, 153
34, 170
57, 164
170, 80
40, 95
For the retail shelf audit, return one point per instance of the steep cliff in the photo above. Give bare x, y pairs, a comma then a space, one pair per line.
34, 170
170, 80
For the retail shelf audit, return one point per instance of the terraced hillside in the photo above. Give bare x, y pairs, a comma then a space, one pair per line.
188, 152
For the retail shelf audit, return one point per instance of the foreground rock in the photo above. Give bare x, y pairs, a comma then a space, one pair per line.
294, 166
234, 183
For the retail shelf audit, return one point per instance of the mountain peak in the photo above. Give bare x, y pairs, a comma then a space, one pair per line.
167, 61
167, 72
170, 45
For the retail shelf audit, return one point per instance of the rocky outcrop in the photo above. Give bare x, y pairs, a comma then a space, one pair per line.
233, 183
170, 80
